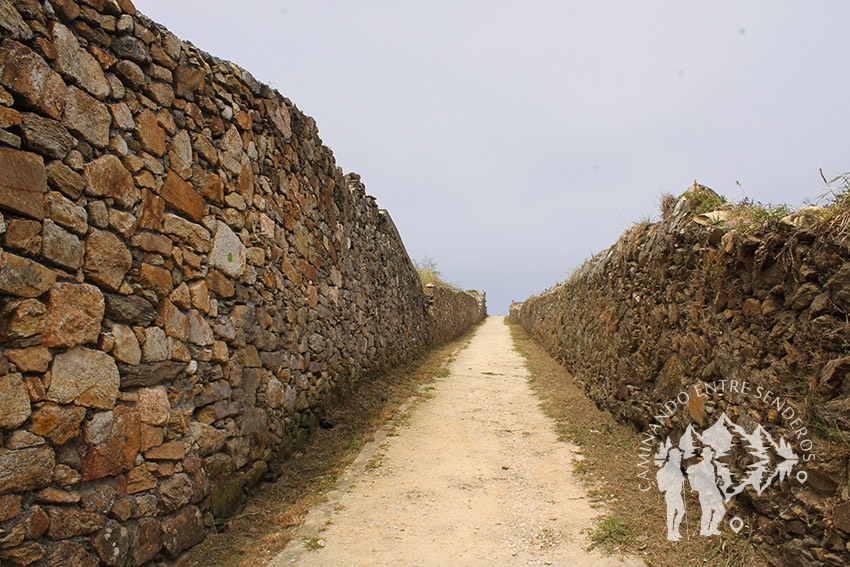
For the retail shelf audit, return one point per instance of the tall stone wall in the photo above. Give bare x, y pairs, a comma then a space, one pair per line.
688, 302
186, 281
451, 312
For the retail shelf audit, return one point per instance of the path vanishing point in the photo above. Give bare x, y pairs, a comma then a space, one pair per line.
477, 477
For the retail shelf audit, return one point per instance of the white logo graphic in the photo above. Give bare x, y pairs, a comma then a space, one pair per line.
720, 461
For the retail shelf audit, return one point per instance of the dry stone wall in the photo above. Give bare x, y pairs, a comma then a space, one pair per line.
451, 312
187, 280
679, 304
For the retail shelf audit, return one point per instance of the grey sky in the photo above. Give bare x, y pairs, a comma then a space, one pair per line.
511, 140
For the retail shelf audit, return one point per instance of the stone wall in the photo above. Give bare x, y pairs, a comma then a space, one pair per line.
452, 311
692, 301
186, 281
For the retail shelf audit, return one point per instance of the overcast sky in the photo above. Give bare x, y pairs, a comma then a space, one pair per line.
510, 141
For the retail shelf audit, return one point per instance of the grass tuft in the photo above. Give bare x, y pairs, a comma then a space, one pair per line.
704, 199
610, 534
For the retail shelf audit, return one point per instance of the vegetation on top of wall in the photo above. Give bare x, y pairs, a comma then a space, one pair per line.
831, 211
704, 199
430, 274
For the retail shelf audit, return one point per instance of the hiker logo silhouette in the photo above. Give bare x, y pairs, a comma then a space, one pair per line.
719, 462
715, 474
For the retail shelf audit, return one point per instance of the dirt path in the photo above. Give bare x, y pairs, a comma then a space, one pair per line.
477, 477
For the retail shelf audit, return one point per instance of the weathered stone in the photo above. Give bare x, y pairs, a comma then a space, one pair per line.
71, 554
126, 347
173, 451
23, 236
140, 480
61, 247
112, 545
155, 348
122, 223
209, 439
143, 505
151, 436
76, 64
9, 117
46, 136
180, 296
219, 284
86, 377
176, 323
228, 252
153, 208
64, 475
25, 554
23, 277
58, 423
98, 496
194, 235
282, 120
98, 213
112, 441
21, 319
34, 359
188, 81
15, 401
74, 313
11, 23
29, 76
161, 93
183, 197
26, 469
66, 523
180, 154
129, 47
213, 189
174, 492
53, 495
150, 374
23, 183
149, 133
107, 177
9, 139
87, 117
150, 242
148, 541
156, 279
65, 179
227, 495
130, 309
67, 10
274, 392
130, 74
182, 531
23, 439
200, 295
153, 405
66, 213
122, 118
200, 332
804, 296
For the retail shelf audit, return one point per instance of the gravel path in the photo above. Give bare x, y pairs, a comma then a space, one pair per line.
477, 477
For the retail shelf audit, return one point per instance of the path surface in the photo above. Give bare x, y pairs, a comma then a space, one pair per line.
477, 478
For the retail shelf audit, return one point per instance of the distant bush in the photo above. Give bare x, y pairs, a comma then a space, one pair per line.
428, 272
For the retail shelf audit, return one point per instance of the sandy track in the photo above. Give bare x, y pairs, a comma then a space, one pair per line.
478, 477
